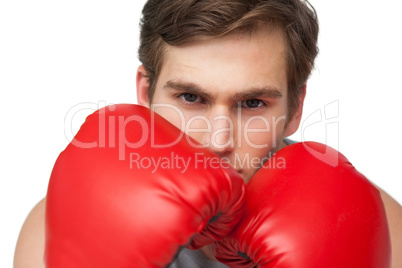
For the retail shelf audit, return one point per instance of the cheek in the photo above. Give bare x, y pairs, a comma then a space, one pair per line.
261, 137
170, 112
198, 127
193, 125
263, 132
163, 105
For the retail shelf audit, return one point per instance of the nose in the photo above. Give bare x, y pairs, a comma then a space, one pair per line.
221, 138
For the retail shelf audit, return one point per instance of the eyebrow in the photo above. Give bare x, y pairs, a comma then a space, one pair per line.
190, 88
258, 92
251, 93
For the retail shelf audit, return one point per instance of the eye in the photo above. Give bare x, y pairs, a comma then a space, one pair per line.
252, 103
188, 97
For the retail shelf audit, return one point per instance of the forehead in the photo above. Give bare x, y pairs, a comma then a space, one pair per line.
231, 63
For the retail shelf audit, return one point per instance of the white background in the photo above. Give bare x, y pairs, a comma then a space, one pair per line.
57, 54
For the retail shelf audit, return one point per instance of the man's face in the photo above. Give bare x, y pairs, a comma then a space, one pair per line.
229, 94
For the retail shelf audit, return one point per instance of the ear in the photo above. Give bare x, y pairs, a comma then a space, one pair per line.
294, 122
142, 86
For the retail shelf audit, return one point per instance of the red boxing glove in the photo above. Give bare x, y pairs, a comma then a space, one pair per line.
120, 196
309, 207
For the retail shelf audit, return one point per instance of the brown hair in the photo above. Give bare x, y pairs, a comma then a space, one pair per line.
176, 22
